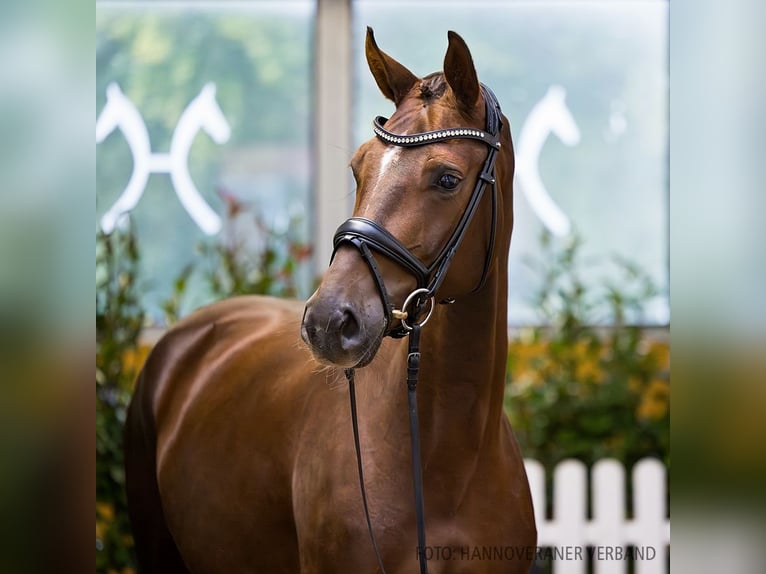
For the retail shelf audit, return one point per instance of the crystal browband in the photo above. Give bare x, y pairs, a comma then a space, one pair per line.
431, 137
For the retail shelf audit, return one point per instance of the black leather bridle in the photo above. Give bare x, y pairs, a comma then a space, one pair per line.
368, 236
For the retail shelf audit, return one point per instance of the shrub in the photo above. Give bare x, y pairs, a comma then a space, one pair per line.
587, 384
248, 258
119, 321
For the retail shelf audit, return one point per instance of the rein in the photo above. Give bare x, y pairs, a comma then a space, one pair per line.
367, 236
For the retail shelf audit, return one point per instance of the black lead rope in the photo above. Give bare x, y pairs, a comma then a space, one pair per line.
413, 368
355, 424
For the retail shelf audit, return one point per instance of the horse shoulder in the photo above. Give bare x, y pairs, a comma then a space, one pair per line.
232, 355
220, 389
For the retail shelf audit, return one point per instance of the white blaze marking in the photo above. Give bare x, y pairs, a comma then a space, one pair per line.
389, 158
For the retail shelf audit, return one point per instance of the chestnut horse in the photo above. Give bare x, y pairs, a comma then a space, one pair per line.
239, 448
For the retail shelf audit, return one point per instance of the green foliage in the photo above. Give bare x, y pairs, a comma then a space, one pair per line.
577, 389
234, 269
250, 258
119, 320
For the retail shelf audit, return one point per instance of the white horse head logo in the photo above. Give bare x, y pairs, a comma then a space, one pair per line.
549, 115
203, 112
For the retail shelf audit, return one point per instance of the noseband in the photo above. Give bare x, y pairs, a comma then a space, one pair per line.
367, 236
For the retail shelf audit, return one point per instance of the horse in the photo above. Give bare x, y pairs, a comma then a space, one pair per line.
203, 112
239, 440
549, 115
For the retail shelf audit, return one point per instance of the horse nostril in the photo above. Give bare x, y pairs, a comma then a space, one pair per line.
307, 328
308, 332
350, 331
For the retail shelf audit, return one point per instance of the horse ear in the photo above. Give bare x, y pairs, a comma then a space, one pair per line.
460, 72
393, 79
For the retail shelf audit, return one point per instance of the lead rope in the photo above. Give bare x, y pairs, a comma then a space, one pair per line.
355, 424
413, 368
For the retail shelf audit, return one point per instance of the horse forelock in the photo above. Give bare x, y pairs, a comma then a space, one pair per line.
431, 105
434, 92
432, 87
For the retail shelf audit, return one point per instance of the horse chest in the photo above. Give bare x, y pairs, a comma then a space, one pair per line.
330, 523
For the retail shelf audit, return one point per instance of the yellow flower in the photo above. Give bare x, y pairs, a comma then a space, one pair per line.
658, 355
528, 360
133, 359
105, 511
654, 401
101, 528
588, 369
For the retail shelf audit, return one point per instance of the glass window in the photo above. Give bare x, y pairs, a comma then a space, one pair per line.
584, 85
202, 108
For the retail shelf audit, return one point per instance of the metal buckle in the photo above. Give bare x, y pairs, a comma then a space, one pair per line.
402, 313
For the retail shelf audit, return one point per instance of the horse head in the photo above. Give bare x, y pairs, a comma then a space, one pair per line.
418, 196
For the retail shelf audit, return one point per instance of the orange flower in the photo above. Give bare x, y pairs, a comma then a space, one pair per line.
101, 528
588, 369
659, 355
105, 511
133, 359
654, 401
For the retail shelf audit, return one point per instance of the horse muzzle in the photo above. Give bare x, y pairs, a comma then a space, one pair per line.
339, 334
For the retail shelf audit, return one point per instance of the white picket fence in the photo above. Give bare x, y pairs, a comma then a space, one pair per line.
601, 538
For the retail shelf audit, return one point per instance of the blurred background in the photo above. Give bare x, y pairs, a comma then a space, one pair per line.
223, 134
595, 150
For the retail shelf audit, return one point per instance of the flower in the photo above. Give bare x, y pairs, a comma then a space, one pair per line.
654, 401
105, 510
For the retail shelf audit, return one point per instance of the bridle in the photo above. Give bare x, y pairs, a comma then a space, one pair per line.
368, 236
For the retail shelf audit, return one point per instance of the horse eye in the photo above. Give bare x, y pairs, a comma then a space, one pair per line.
448, 181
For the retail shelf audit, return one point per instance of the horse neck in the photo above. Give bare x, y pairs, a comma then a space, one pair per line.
464, 351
